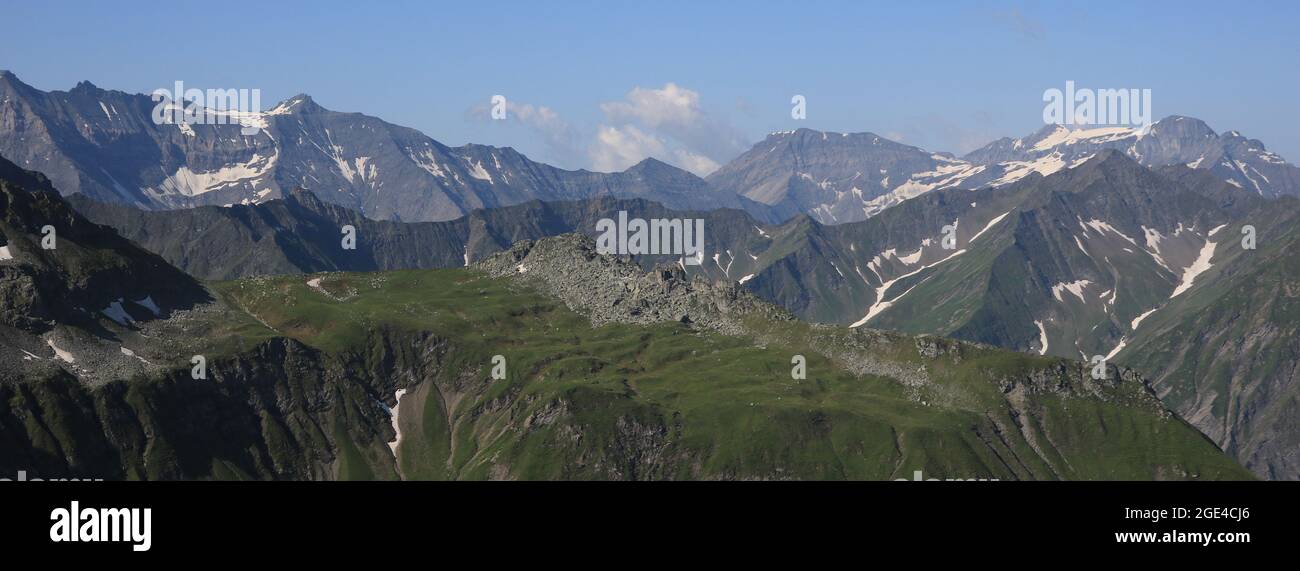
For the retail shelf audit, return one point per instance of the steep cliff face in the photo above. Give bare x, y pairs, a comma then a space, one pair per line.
57, 266
1226, 356
280, 411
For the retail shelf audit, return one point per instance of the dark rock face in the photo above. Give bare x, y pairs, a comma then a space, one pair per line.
88, 269
281, 411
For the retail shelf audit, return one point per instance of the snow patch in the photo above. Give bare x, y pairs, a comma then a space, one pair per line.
987, 226
1080, 245
427, 161
911, 258
115, 312
1197, 268
1138, 319
477, 171
396, 430
190, 183
148, 304
60, 353
1042, 337
881, 304
1122, 342
130, 353
1101, 226
1074, 287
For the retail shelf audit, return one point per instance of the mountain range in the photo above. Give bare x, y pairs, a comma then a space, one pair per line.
105, 145
842, 177
608, 372
1166, 249
1097, 260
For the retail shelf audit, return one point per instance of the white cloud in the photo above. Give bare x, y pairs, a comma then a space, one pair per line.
667, 123
671, 105
561, 138
563, 142
698, 164
617, 148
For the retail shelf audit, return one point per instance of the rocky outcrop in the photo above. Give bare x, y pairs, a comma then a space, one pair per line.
614, 289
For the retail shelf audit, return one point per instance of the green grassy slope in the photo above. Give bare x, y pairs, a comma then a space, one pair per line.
669, 401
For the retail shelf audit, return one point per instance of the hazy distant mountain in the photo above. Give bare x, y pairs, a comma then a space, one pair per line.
1243, 162
839, 177
105, 145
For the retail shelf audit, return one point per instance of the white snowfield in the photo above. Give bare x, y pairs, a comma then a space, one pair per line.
1064, 136
1137, 320
1076, 287
117, 313
1197, 268
955, 171
190, 183
1123, 341
1050, 156
989, 225
60, 353
397, 430
1042, 337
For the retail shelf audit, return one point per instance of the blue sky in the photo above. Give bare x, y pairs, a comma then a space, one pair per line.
690, 82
